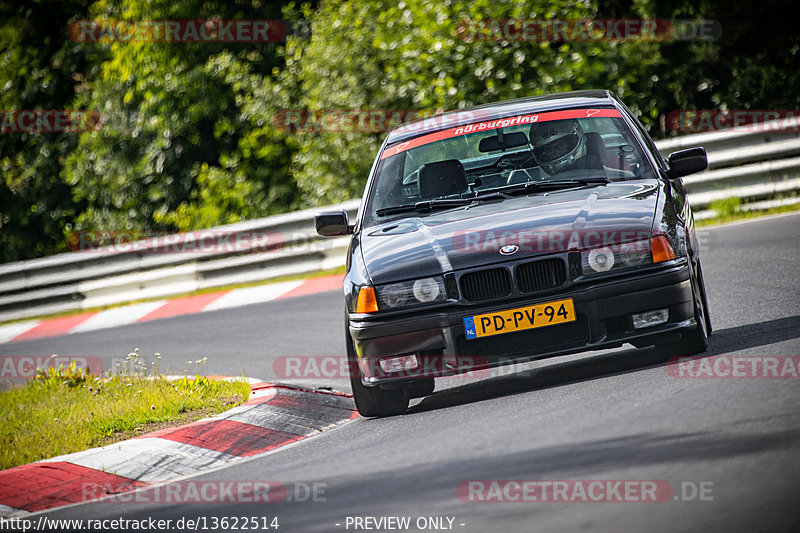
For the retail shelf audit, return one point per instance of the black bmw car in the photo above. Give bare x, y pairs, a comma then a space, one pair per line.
517, 231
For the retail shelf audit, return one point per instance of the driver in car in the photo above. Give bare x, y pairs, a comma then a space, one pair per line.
561, 145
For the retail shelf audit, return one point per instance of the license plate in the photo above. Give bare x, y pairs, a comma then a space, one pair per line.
519, 319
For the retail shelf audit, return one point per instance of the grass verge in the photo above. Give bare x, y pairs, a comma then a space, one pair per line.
732, 210
66, 410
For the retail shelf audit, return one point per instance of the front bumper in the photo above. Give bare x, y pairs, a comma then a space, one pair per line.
603, 310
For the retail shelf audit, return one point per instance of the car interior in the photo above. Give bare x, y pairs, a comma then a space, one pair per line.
499, 158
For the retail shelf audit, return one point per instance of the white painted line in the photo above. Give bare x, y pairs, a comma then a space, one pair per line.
251, 381
253, 295
117, 316
9, 512
9, 331
148, 459
262, 393
749, 220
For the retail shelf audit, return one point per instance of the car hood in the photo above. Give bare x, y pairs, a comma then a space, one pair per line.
539, 224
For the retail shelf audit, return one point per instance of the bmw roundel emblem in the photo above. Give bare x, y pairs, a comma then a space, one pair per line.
509, 249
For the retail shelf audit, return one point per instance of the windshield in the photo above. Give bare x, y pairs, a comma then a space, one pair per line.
443, 168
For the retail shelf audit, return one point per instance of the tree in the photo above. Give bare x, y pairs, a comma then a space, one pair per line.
753, 64
177, 150
192, 134
40, 69
415, 55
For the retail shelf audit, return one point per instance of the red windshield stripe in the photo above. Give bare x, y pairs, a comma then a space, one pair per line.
498, 123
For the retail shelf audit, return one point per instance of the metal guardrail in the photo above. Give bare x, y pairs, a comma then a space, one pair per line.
749, 164
111, 275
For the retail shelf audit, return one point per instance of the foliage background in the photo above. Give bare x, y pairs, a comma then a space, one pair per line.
189, 139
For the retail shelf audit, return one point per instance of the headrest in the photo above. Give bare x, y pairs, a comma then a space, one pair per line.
443, 178
595, 149
595, 144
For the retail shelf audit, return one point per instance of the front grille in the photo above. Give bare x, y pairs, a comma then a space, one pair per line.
486, 284
541, 275
521, 343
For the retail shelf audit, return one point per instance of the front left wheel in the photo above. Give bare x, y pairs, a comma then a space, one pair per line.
696, 340
372, 401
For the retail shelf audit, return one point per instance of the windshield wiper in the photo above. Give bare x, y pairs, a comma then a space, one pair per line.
424, 206
427, 205
502, 194
555, 185
494, 195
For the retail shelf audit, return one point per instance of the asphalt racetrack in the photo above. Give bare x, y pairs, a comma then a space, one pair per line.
728, 447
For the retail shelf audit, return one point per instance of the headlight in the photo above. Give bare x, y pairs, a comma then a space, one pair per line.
616, 257
427, 290
410, 293
600, 259
394, 295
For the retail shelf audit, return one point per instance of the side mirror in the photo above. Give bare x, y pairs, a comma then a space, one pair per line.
332, 223
687, 162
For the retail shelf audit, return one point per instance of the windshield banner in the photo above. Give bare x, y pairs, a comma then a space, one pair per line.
505, 122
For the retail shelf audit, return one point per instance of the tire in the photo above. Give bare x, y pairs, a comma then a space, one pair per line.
696, 340
709, 329
373, 401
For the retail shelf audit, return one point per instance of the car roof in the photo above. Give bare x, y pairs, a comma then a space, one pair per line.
460, 117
